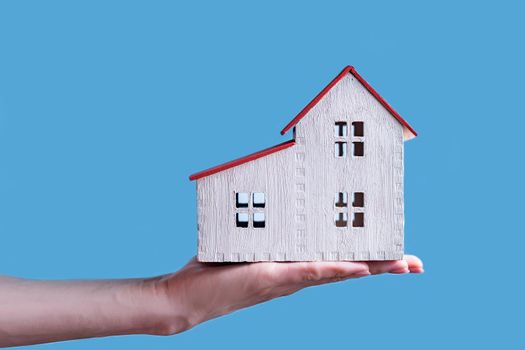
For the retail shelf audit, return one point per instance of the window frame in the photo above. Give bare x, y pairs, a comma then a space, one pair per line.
252, 209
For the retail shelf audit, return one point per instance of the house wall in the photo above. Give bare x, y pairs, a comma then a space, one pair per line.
379, 174
300, 184
219, 238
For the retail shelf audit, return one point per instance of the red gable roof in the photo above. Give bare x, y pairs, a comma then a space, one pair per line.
344, 72
242, 160
284, 145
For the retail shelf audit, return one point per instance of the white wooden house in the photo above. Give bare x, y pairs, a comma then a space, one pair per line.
333, 192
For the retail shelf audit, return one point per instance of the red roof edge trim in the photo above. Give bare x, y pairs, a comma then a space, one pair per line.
242, 160
348, 69
316, 99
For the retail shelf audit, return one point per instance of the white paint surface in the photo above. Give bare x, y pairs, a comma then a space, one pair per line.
300, 185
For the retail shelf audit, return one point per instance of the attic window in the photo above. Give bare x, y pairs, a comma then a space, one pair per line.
341, 219
241, 200
341, 129
241, 220
359, 129
341, 199
359, 149
340, 149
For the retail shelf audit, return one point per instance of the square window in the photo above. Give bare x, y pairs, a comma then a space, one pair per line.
359, 129
258, 200
259, 220
359, 220
341, 199
340, 149
341, 219
241, 220
359, 149
359, 199
341, 129
241, 200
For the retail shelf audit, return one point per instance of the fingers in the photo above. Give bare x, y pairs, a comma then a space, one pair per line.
310, 273
409, 264
415, 264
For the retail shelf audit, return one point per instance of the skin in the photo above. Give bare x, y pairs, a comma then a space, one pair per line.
34, 311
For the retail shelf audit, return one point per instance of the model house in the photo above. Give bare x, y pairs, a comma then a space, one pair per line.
332, 192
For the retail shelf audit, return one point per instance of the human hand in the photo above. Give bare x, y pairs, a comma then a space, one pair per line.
202, 291
37, 311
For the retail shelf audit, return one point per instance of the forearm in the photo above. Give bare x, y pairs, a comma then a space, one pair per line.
34, 311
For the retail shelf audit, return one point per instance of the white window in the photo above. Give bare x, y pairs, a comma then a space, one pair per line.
359, 129
241, 199
250, 211
341, 129
340, 149
342, 211
359, 148
259, 220
356, 140
341, 199
241, 219
359, 220
341, 219
258, 200
359, 200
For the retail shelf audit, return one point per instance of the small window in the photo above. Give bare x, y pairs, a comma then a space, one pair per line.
359, 149
340, 149
259, 220
258, 200
359, 220
359, 200
341, 129
359, 129
341, 219
341, 199
241, 220
241, 200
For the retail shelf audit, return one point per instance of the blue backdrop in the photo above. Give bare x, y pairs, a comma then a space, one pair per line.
106, 107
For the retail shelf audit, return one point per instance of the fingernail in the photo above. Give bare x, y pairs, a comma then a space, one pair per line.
362, 274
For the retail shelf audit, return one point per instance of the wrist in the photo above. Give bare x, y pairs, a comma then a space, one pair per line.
163, 312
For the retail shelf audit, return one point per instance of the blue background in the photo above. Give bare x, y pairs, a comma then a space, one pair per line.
106, 107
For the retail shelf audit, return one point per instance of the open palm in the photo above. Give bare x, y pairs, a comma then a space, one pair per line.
212, 290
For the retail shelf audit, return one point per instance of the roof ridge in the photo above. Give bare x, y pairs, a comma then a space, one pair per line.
320, 95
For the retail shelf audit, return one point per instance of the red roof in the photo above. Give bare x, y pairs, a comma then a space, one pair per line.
242, 160
284, 145
348, 69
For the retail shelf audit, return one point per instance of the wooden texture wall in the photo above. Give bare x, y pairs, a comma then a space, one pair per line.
300, 184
